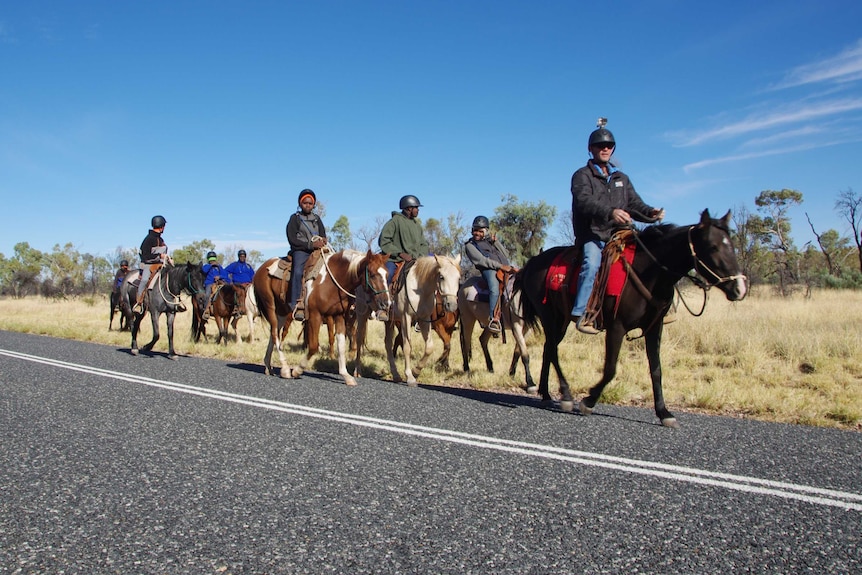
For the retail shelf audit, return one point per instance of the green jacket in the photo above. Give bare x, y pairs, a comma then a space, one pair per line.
401, 234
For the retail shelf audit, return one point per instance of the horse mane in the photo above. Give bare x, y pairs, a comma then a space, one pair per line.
354, 258
427, 265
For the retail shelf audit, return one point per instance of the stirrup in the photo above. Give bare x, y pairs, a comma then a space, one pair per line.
584, 327
494, 326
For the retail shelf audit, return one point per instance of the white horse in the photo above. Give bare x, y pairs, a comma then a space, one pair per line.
473, 311
416, 302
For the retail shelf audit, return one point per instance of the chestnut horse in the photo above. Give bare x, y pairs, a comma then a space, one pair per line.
416, 301
331, 296
474, 311
664, 255
229, 300
272, 296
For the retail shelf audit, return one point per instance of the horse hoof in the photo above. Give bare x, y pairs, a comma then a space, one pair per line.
174, 357
567, 406
531, 388
582, 407
670, 422
349, 381
134, 352
285, 373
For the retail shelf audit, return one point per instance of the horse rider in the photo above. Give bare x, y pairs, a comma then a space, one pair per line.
488, 255
305, 233
603, 199
402, 237
154, 254
213, 272
239, 272
120, 275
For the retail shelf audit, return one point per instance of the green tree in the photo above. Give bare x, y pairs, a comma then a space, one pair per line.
66, 267
193, 253
774, 204
522, 226
849, 205
339, 235
20, 273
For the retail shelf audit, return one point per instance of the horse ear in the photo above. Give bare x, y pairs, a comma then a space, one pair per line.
705, 218
369, 254
725, 220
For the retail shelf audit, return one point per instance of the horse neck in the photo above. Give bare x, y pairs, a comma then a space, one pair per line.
672, 254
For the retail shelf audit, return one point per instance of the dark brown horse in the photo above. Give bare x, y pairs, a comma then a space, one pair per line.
331, 297
228, 301
664, 255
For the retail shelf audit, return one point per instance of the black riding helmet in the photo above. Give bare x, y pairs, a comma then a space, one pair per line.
409, 202
212, 256
306, 192
241, 253
158, 222
601, 136
480, 222
124, 263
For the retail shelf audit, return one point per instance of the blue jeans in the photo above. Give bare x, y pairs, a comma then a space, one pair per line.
490, 277
298, 266
589, 269
390, 271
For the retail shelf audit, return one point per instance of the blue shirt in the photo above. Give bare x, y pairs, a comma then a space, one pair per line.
239, 273
213, 272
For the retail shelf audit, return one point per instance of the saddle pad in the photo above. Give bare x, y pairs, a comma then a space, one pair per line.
617, 274
558, 272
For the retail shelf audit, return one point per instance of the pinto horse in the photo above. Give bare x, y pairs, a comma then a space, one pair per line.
416, 301
474, 311
272, 296
664, 255
443, 323
331, 296
164, 298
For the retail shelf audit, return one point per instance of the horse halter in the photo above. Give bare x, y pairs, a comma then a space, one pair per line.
700, 265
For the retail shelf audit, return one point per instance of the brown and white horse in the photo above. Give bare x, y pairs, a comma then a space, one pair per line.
272, 296
331, 297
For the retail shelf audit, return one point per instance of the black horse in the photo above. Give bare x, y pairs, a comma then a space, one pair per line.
115, 308
664, 255
164, 298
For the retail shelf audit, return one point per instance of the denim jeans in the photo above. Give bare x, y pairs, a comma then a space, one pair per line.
589, 269
297, 267
493, 290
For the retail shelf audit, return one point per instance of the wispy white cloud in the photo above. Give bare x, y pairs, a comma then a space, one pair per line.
844, 67
755, 123
688, 168
805, 131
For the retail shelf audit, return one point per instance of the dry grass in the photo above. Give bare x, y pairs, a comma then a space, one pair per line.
791, 360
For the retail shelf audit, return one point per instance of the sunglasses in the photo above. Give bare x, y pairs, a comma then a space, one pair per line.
604, 146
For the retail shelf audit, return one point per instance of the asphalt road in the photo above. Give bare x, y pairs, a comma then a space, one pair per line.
111, 463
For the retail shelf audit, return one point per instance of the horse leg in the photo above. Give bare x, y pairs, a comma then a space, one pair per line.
466, 340
652, 341
341, 345
390, 355
332, 331
613, 344
286, 371
567, 402
171, 316
154, 318
483, 339
444, 329
312, 336
429, 347
521, 351
361, 326
136, 326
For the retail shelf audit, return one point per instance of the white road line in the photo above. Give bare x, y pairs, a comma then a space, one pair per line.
816, 495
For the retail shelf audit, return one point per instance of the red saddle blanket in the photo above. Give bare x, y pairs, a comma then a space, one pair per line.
564, 273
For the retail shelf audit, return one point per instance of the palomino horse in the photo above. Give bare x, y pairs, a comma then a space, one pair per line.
331, 297
416, 301
474, 311
164, 298
443, 323
664, 255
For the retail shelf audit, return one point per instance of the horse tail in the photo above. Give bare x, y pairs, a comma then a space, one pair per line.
528, 310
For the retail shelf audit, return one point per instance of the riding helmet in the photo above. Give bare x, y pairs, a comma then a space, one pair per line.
480, 222
306, 192
158, 222
241, 253
601, 136
409, 202
211, 256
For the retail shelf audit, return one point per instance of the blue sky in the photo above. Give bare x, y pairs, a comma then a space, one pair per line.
216, 114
